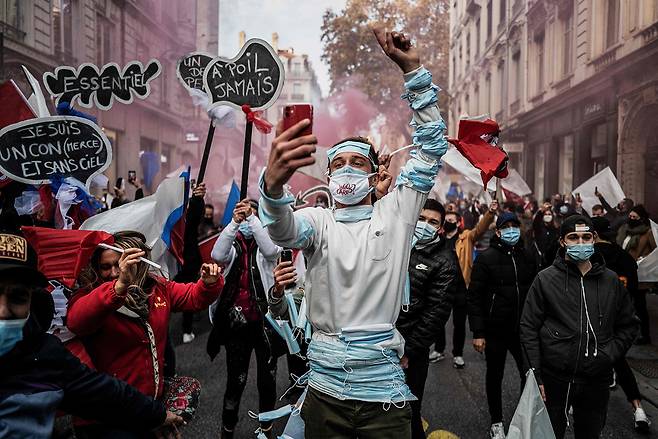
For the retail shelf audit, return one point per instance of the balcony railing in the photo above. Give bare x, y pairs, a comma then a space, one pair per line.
605, 59
649, 34
11, 31
297, 96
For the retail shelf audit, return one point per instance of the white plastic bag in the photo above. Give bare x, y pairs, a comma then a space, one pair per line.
531, 419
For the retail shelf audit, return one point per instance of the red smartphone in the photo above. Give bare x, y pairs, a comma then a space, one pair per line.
295, 113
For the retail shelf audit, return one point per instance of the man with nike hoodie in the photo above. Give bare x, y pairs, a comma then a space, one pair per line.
432, 274
578, 320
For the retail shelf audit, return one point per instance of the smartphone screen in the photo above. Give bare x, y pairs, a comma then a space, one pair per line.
132, 175
295, 113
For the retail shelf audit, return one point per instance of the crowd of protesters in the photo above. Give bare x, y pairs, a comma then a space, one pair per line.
550, 283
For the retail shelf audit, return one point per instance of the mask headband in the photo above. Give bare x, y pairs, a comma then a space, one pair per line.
350, 146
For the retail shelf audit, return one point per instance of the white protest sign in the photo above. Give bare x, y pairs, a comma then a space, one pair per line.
607, 185
647, 268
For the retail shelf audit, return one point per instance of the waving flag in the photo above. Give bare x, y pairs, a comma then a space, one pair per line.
62, 254
477, 142
160, 217
231, 201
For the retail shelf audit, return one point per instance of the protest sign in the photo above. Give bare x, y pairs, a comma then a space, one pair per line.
647, 268
190, 69
607, 185
254, 77
36, 150
90, 86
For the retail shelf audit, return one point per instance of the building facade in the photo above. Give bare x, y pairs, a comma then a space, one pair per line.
571, 82
43, 34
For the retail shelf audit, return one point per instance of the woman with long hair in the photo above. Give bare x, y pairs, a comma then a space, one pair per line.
121, 313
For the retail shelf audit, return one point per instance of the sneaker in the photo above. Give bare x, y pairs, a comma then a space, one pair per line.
436, 356
497, 431
642, 423
614, 380
188, 338
458, 362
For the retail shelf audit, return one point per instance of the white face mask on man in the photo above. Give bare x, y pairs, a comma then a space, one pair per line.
349, 186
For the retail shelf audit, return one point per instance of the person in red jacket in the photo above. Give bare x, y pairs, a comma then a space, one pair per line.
123, 321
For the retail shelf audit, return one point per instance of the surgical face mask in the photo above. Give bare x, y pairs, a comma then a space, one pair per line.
11, 332
548, 218
245, 230
510, 235
424, 232
349, 186
580, 252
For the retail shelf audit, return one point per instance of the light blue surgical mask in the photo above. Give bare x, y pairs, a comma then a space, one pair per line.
424, 232
245, 230
11, 332
349, 186
274, 414
510, 235
580, 252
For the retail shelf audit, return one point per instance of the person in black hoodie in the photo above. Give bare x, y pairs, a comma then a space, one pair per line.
578, 321
38, 375
622, 263
432, 273
501, 277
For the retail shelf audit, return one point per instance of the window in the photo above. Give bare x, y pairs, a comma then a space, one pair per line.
468, 48
297, 91
63, 26
503, 12
539, 63
501, 86
477, 37
103, 40
10, 13
476, 101
297, 67
612, 23
517, 79
454, 67
565, 170
489, 19
165, 158
599, 148
567, 43
540, 159
487, 94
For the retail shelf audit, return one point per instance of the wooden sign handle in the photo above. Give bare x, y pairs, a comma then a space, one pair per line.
206, 152
244, 181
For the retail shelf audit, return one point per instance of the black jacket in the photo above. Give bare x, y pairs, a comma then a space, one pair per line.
432, 272
621, 262
40, 375
554, 324
499, 283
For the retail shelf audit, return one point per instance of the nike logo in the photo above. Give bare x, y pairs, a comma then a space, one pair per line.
421, 267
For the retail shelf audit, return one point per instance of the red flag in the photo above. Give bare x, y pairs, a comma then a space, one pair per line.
205, 248
64, 253
14, 105
477, 142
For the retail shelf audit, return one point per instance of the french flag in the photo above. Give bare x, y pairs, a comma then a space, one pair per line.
160, 217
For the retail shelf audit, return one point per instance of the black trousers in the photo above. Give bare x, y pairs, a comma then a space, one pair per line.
626, 380
458, 333
416, 375
188, 322
589, 402
640, 302
326, 417
238, 355
495, 351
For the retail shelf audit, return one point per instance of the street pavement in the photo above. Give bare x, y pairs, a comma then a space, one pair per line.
454, 405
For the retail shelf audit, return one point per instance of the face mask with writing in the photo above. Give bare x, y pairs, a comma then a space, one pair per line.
349, 186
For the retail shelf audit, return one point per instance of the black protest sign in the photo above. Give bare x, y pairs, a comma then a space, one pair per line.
254, 77
90, 86
36, 150
190, 68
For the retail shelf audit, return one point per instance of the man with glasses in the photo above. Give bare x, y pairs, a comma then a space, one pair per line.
578, 321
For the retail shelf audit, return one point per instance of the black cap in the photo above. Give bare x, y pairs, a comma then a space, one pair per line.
18, 257
506, 217
576, 223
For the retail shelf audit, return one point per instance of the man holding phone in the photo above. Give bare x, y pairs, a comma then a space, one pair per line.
358, 259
